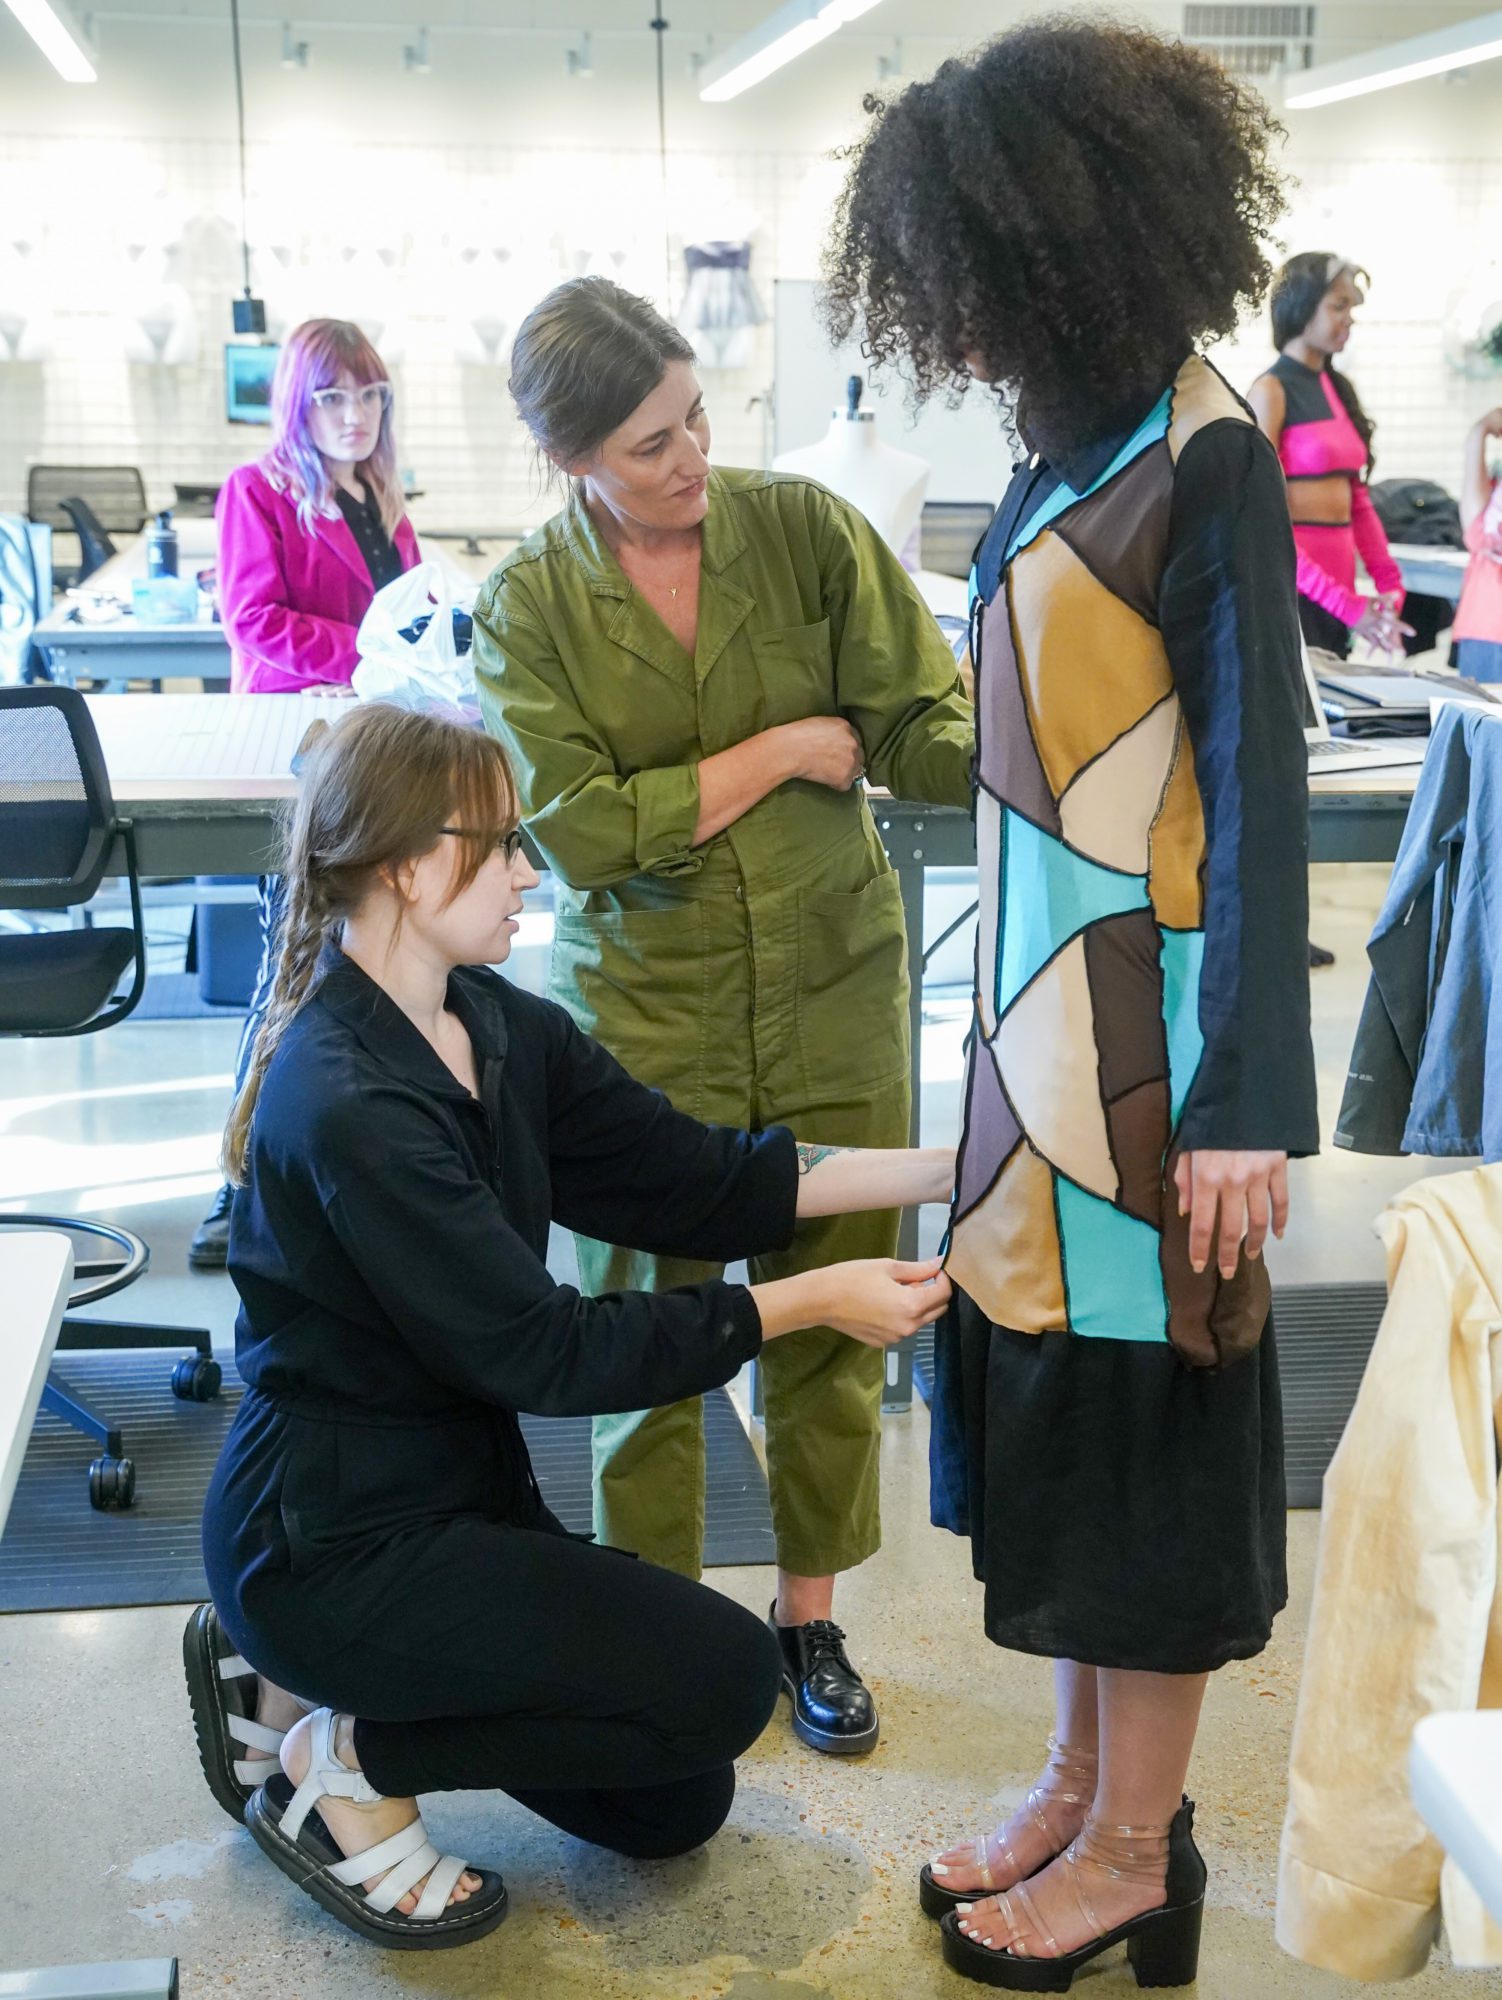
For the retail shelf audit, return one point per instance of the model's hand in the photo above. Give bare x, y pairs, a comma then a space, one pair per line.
827, 751
1231, 1197
880, 1301
1490, 426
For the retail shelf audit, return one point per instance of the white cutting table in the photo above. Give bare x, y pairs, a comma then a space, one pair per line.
36, 1269
1455, 1774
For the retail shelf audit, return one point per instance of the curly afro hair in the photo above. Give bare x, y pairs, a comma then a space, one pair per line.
1078, 203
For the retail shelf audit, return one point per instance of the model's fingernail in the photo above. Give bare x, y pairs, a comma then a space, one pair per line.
1197, 1265
937, 1868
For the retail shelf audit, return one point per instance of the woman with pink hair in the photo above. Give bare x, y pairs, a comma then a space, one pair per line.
307, 535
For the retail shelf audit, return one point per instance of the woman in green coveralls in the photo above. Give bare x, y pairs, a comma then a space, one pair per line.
691, 670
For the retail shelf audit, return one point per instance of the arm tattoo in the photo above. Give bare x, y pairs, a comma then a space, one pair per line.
810, 1156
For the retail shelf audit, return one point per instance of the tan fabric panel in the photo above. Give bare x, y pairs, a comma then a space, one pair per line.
1109, 810
1044, 1049
1177, 847
1063, 620
1200, 397
1005, 1253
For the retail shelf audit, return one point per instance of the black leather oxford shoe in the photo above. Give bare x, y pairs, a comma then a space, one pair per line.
832, 1706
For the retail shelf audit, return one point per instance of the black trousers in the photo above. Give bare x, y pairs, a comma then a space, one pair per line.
607, 1695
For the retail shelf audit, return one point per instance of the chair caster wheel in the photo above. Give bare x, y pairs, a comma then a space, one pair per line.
112, 1483
197, 1379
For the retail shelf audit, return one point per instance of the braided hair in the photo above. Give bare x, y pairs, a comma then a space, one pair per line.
378, 792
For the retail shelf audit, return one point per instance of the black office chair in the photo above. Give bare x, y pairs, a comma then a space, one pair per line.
114, 494
94, 545
58, 827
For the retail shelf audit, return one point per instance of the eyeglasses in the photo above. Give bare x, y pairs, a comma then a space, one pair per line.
374, 396
509, 844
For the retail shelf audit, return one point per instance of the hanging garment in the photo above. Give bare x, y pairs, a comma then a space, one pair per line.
1426, 1066
720, 311
1406, 1617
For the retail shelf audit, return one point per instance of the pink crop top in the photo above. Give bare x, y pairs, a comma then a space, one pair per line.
1319, 441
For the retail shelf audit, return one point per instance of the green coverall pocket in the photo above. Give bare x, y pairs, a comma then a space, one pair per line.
638, 981
795, 667
853, 989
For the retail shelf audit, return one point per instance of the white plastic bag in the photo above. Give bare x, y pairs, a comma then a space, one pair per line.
426, 672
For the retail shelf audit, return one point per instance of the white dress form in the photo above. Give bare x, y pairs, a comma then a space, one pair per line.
885, 484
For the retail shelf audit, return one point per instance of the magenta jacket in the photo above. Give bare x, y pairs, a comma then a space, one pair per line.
291, 600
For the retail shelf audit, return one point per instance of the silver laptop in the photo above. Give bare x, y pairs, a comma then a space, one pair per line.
1341, 753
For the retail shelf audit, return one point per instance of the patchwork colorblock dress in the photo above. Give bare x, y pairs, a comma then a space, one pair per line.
1107, 1422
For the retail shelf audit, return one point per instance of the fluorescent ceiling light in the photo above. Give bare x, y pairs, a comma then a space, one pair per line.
799, 25
1475, 41
59, 38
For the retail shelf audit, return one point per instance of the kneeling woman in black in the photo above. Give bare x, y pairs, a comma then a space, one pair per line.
374, 1536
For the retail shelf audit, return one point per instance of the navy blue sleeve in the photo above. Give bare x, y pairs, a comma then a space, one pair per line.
1229, 617
629, 1169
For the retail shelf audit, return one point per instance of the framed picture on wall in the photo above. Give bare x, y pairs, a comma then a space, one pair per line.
247, 382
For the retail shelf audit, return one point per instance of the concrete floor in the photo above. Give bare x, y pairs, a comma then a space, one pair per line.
112, 1847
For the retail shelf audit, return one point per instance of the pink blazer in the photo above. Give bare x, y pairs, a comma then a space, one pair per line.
291, 600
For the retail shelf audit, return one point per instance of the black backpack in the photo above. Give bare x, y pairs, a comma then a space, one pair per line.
1418, 511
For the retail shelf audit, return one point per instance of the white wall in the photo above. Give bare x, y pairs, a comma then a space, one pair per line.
425, 202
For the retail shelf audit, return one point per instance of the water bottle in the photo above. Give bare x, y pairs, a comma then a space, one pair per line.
161, 546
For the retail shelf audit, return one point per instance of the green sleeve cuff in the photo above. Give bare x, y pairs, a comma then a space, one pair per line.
667, 812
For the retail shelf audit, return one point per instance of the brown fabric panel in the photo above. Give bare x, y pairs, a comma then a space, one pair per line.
1123, 957
991, 1129
1121, 532
1177, 848
1091, 668
1008, 757
1139, 1128
1201, 397
1212, 1321
1006, 1253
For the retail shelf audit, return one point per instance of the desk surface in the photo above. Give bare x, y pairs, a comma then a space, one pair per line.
204, 748
240, 746
36, 1269
1455, 1770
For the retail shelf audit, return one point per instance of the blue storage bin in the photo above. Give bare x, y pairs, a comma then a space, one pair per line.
229, 948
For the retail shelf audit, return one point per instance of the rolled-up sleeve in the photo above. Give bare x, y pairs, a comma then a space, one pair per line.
596, 825
895, 678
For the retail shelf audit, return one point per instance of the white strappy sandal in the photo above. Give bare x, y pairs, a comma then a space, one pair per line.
286, 1826
223, 1713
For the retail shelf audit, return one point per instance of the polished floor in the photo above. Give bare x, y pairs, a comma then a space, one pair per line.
110, 1845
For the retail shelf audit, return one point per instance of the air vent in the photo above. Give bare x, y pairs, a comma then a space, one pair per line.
1253, 40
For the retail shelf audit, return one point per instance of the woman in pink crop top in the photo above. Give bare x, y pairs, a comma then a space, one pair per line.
1323, 436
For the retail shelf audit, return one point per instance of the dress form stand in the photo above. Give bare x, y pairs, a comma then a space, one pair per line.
886, 485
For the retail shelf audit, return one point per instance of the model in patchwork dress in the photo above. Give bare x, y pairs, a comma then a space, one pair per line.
1070, 213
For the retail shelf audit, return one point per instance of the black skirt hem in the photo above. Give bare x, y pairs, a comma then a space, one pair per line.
1089, 1653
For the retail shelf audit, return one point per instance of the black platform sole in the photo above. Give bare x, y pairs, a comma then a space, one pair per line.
832, 1744
303, 1861
937, 1901
216, 1747
1163, 1949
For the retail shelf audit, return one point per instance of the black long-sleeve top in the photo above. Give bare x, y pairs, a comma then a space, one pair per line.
388, 1247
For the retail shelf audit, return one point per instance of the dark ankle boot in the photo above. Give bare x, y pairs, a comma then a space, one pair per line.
832, 1706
